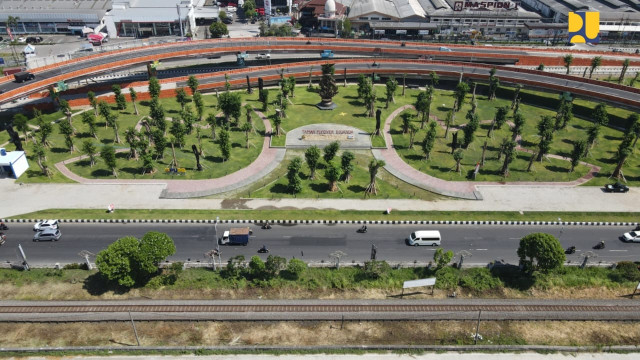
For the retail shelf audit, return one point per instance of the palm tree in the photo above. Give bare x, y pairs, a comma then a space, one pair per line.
595, 63
568, 60
90, 149
579, 147
624, 150
458, 155
625, 66
134, 97
332, 174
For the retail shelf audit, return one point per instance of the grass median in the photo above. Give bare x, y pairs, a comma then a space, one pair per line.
289, 214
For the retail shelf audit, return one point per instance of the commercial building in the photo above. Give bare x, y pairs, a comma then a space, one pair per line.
53, 17
450, 17
557, 11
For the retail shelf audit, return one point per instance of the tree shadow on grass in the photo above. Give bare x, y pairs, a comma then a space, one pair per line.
607, 161
512, 277
101, 173
527, 144
356, 188
567, 141
320, 188
106, 141
557, 169
97, 285
131, 170
83, 163
415, 157
57, 150
612, 138
146, 103
214, 159
279, 189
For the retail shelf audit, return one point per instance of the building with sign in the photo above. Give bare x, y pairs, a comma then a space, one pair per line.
449, 17
558, 11
53, 17
142, 18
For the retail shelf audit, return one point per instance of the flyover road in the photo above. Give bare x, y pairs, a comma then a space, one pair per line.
107, 62
331, 310
314, 242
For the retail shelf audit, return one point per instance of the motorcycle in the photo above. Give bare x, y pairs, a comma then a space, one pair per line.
263, 250
3, 226
362, 230
599, 246
570, 250
266, 226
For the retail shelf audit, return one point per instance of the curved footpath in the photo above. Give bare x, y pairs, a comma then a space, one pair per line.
459, 189
268, 160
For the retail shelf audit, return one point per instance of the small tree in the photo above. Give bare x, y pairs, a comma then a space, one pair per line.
540, 251
154, 87
192, 83
40, 154
225, 144
391, 87
442, 258
108, 154
121, 101
374, 166
461, 91
518, 124
246, 127
423, 106
433, 76
93, 102
181, 97
296, 267
90, 121
633, 122
347, 165
545, 131
499, 119
470, 128
624, 150
131, 136
21, 123
212, 121
231, 105
156, 111
312, 155
293, 175
159, 143
595, 63
90, 150
623, 71
494, 83
188, 118
429, 141
413, 130
45, 129
134, 96
509, 155
274, 265
67, 131
328, 87
331, 150
332, 174
218, 29
178, 131
264, 97
199, 104
568, 60
458, 155
579, 148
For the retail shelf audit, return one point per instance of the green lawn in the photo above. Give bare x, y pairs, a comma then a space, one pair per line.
129, 168
328, 215
350, 110
442, 163
275, 184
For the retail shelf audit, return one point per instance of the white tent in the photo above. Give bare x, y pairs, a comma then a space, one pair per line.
29, 49
87, 30
12, 163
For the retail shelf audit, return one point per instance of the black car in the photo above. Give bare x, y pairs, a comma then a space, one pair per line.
34, 39
617, 187
227, 21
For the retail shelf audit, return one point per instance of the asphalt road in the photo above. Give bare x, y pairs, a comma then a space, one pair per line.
312, 242
218, 46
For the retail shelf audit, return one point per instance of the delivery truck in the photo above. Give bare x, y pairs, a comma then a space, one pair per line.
235, 236
23, 76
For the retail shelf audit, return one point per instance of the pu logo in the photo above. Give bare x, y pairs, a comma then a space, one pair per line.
584, 27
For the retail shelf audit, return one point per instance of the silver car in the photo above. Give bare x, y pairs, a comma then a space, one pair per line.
47, 224
47, 235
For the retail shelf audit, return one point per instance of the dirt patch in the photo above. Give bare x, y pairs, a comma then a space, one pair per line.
316, 333
237, 204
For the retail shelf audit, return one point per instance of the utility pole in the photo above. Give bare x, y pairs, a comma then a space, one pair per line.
25, 264
135, 331
85, 255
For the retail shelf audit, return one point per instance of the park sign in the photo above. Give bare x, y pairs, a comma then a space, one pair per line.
484, 5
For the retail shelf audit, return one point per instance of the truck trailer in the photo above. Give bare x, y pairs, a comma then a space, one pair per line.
23, 76
235, 236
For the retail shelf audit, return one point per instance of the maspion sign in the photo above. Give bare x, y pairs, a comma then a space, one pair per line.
489, 5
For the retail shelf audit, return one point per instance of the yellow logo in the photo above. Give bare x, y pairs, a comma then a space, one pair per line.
584, 27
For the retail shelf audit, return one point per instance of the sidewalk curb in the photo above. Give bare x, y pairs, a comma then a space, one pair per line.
332, 222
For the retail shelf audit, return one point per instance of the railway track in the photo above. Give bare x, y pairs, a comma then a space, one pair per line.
319, 310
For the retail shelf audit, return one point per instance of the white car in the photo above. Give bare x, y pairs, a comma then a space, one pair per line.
231, 9
263, 56
45, 225
631, 236
21, 39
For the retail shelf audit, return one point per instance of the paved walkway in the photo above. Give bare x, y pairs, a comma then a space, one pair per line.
496, 354
266, 162
459, 189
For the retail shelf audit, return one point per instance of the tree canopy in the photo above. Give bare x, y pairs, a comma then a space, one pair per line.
541, 251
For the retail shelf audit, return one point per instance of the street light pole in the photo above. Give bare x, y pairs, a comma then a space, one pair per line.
215, 228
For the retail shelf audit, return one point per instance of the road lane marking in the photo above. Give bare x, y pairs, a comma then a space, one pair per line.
619, 250
481, 249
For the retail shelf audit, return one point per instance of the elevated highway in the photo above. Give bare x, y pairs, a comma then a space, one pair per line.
387, 54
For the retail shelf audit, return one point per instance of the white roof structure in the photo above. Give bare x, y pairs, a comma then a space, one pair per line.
149, 10
13, 163
29, 49
90, 11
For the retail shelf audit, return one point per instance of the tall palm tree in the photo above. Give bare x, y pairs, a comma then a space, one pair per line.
595, 63
568, 60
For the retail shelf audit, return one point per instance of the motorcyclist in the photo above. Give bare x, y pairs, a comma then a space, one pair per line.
264, 248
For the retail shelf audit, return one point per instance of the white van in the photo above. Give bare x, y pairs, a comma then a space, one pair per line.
425, 237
